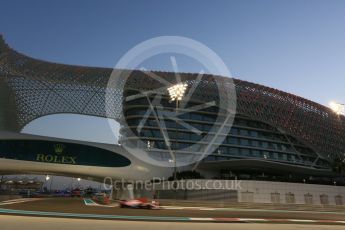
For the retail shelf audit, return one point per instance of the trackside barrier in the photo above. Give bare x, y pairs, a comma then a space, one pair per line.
267, 206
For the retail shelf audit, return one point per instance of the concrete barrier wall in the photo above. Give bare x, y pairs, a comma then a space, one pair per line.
285, 193
255, 192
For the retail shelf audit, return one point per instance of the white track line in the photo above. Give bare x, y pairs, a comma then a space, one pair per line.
310, 221
17, 201
250, 219
93, 203
201, 219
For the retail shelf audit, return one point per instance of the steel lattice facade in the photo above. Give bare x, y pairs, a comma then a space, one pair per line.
31, 88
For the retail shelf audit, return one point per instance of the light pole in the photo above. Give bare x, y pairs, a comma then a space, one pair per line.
51, 182
78, 179
338, 108
176, 93
46, 182
1, 180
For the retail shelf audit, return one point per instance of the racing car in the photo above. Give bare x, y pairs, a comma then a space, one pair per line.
142, 203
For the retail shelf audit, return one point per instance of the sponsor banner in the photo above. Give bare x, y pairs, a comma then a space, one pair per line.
60, 153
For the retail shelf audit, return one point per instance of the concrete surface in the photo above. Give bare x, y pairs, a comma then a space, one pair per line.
44, 223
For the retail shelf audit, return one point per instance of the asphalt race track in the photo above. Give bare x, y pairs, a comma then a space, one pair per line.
76, 205
44, 223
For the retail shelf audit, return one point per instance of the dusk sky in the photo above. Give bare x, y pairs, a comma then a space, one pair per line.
297, 46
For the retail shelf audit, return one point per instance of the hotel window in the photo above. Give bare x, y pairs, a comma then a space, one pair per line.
223, 150
234, 131
264, 144
152, 123
242, 122
169, 124
284, 157
222, 158
208, 118
206, 127
255, 153
275, 156
255, 143
233, 140
184, 146
197, 126
184, 116
234, 151
245, 152
244, 142
253, 133
186, 136
243, 132
196, 117
210, 158
290, 157
265, 154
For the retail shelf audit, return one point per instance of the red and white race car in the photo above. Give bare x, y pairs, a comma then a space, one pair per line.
139, 203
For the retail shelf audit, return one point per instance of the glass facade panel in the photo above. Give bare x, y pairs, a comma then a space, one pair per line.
247, 138
243, 132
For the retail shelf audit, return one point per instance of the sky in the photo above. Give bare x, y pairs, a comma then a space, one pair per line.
297, 46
